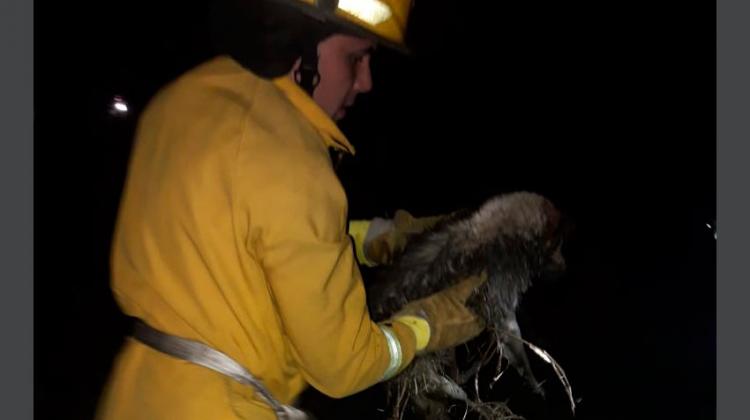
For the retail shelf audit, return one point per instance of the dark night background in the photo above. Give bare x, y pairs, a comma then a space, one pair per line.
608, 108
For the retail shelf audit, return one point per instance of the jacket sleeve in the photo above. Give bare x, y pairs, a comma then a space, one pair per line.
296, 209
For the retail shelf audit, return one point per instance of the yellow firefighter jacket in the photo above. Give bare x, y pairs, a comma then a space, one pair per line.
232, 232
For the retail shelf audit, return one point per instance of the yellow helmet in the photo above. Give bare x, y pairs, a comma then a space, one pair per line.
381, 20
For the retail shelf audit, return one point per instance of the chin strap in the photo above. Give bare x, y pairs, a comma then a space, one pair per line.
307, 75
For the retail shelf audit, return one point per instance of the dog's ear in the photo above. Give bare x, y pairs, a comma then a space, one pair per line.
553, 218
554, 226
559, 229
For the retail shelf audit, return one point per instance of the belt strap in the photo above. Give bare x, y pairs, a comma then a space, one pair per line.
203, 355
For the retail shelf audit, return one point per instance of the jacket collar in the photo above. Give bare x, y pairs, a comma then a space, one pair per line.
330, 132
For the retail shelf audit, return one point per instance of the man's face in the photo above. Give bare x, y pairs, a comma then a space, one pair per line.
344, 67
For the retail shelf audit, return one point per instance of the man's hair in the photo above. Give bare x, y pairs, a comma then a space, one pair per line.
264, 36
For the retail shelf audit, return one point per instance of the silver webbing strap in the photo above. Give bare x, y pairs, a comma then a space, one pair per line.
203, 355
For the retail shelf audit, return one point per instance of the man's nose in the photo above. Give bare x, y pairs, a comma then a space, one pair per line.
363, 82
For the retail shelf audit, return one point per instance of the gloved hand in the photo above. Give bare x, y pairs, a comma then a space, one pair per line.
442, 320
379, 240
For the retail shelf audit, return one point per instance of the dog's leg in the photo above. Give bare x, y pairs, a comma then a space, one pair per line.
516, 354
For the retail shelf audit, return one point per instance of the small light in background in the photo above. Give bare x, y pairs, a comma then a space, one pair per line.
119, 106
712, 227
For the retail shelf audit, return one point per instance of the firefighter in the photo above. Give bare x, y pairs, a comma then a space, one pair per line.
232, 246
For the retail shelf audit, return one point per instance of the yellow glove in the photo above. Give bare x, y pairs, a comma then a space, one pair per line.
442, 320
379, 241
